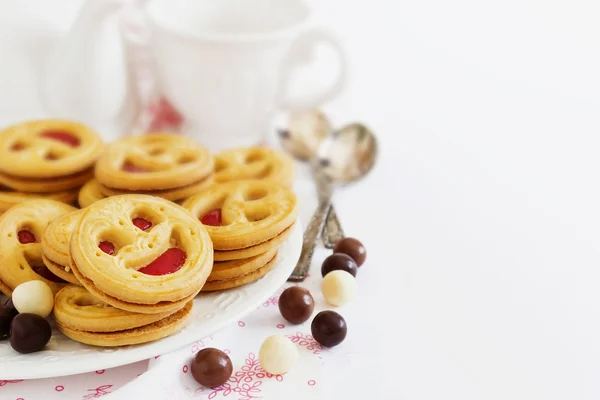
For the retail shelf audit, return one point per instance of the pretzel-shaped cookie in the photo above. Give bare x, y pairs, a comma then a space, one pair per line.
48, 149
251, 212
21, 230
254, 163
116, 247
153, 161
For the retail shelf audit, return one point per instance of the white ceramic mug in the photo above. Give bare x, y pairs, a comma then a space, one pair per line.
226, 64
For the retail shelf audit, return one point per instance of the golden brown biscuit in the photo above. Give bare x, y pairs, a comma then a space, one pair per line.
76, 308
254, 250
140, 253
21, 230
237, 268
46, 185
152, 162
143, 334
254, 163
62, 271
9, 198
90, 193
242, 280
48, 149
55, 245
168, 194
251, 212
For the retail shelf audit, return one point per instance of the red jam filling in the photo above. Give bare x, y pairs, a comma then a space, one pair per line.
26, 237
212, 218
62, 136
107, 247
168, 262
142, 223
46, 273
129, 167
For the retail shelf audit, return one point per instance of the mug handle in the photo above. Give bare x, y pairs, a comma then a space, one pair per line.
298, 54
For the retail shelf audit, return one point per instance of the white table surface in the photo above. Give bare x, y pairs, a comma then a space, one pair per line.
481, 218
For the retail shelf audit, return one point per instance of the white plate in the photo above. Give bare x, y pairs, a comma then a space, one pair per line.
211, 313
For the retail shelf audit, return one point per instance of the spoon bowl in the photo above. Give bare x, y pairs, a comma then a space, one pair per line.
302, 133
348, 154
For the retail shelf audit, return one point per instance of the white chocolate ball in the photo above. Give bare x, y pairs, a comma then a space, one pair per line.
339, 287
277, 354
33, 297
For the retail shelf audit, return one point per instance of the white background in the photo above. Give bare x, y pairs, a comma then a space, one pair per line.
481, 218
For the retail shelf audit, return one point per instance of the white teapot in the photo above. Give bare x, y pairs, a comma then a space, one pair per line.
224, 64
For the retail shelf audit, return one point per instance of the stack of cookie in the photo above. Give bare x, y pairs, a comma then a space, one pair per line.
46, 159
87, 319
136, 262
126, 267
163, 165
247, 222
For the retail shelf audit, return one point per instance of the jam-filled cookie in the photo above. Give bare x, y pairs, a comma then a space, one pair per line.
141, 253
55, 246
21, 230
45, 156
159, 164
254, 163
87, 319
243, 214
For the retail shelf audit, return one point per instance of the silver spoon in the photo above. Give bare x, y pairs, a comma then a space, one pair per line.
345, 156
301, 134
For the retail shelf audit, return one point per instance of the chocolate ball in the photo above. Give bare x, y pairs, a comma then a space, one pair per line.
296, 304
353, 248
211, 367
29, 333
6, 316
329, 328
10, 305
339, 261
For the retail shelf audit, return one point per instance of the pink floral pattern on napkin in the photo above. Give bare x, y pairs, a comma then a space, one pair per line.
306, 341
2, 383
97, 392
245, 383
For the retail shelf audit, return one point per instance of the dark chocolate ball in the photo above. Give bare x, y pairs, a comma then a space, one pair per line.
10, 305
29, 333
296, 304
353, 248
339, 261
6, 316
211, 367
329, 328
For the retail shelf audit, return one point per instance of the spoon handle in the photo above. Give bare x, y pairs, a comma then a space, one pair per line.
332, 230
314, 228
